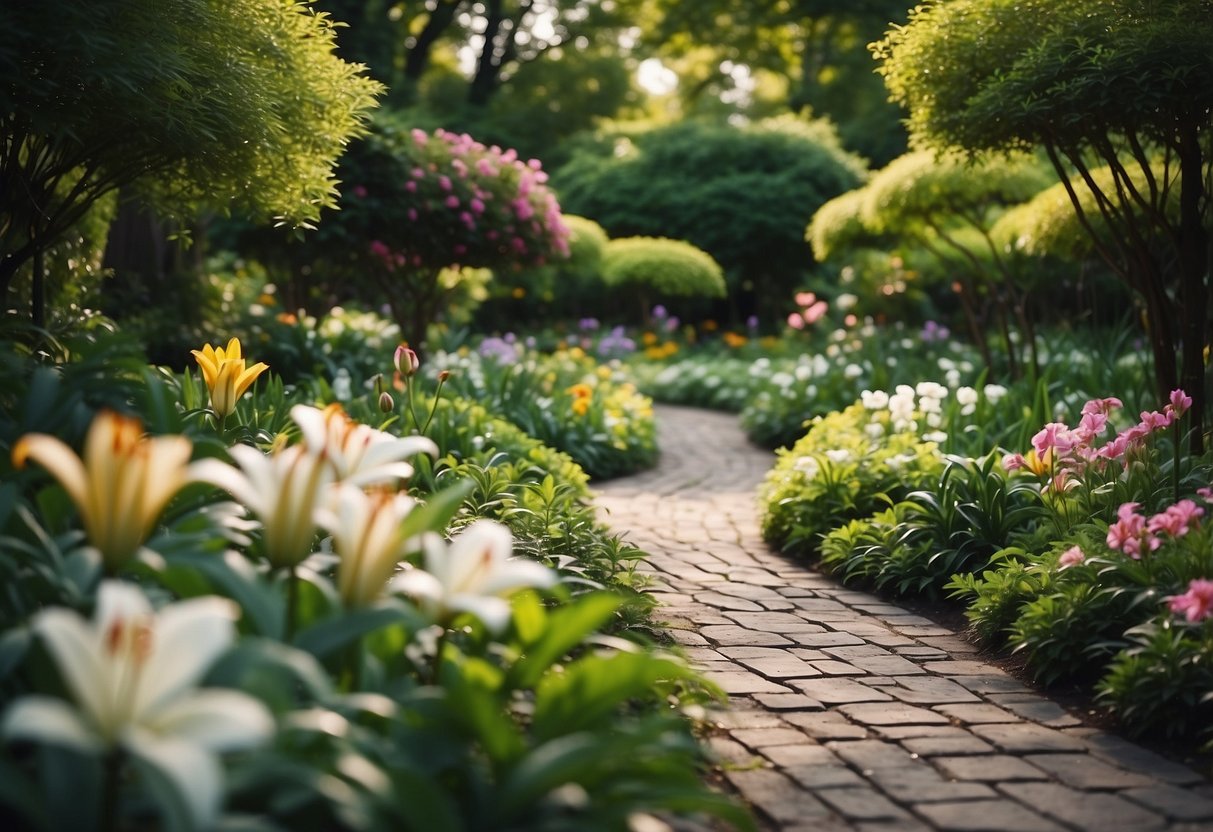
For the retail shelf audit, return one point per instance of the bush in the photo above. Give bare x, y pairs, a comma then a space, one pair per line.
656, 268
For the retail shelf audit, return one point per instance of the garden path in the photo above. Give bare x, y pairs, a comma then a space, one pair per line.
846, 711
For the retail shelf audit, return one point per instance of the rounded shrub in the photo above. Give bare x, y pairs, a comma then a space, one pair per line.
655, 267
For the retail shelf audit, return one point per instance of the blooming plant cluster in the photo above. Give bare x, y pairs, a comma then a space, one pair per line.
210, 629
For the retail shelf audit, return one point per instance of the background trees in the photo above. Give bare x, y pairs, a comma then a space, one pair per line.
229, 105
1124, 85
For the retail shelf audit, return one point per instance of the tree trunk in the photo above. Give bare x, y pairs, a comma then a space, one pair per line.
1194, 290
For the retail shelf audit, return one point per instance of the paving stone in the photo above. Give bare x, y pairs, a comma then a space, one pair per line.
762, 737
738, 681
852, 651
887, 665
788, 702
930, 690
1127, 755
745, 719
838, 690
726, 602
775, 622
687, 638
909, 732
977, 714
1094, 811
777, 796
986, 816
955, 667
786, 666
992, 684
952, 645
1084, 771
831, 667
989, 768
731, 752
1038, 709
868, 755
922, 784
892, 715
1180, 804
824, 776
946, 746
805, 753
732, 635
828, 639
1027, 737
811, 604
862, 803
827, 726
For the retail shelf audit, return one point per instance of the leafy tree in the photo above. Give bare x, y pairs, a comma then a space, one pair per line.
1121, 84
742, 194
235, 104
818, 48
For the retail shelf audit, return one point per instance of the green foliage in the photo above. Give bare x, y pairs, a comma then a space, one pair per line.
744, 195
657, 268
227, 104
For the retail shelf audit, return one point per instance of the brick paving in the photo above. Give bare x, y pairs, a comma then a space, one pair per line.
847, 712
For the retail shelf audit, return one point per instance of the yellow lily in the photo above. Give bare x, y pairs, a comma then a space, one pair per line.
225, 374
120, 486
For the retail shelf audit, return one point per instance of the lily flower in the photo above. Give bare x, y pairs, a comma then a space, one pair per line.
122, 483
360, 454
283, 489
368, 539
225, 374
472, 574
131, 675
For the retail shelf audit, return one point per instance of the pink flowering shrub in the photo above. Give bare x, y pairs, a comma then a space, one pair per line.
416, 203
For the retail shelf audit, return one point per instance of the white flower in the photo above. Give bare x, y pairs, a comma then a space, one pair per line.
901, 405
368, 539
853, 371
929, 405
360, 454
966, 397
121, 485
343, 385
807, 465
936, 436
803, 372
994, 392
934, 420
781, 379
283, 489
874, 400
952, 377
838, 455
473, 574
132, 674
931, 390
874, 430
845, 302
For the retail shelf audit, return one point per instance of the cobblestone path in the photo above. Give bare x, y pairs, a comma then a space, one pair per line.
847, 712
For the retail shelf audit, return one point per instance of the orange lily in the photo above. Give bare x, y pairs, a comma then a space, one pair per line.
225, 374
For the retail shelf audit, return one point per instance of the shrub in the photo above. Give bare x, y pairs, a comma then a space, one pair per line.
656, 268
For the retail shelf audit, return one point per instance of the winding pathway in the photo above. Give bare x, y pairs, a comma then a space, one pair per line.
847, 712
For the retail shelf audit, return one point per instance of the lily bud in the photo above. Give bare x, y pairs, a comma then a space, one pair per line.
406, 361
444, 375
385, 402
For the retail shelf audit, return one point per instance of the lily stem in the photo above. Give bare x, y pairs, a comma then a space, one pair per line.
111, 783
292, 601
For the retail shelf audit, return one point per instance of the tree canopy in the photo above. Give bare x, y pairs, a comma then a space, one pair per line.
235, 104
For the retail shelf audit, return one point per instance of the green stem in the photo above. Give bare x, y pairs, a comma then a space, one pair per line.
408, 394
1175, 439
292, 602
434, 407
110, 786
353, 666
439, 648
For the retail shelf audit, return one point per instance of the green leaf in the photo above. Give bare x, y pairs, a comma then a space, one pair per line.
567, 627
438, 510
326, 637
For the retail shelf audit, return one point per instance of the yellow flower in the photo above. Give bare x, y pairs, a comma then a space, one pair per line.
225, 375
710, 326
580, 406
734, 340
120, 486
649, 339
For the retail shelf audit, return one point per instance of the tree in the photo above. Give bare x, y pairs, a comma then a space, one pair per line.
1122, 84
817, 47
231, 104
744, 195
419, 204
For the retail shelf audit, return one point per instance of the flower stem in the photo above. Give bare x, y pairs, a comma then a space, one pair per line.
111, 783
1175, 440
292, 601
434, 407
439, 648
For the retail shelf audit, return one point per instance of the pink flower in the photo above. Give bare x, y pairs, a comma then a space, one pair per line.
1114, 449
444, 182
1195, 604
360, 191
477, 206
813, 313
406, 361
1104, 406
1176, 520
1129, 533
1013, 462
805, 299
419, 137
1152, 420
1057, 436
410, 186
412, 214
523, 209
418, 173
796, 321
1091, 425
1180, 402
1071, 557
1205, 494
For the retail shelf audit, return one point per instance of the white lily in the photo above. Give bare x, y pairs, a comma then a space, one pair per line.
122, 483
360, 454
368, 539
132, 675
474, 574
284, 489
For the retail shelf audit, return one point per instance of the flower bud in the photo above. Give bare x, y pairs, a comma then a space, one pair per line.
406, 361
444, 375
386, 404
